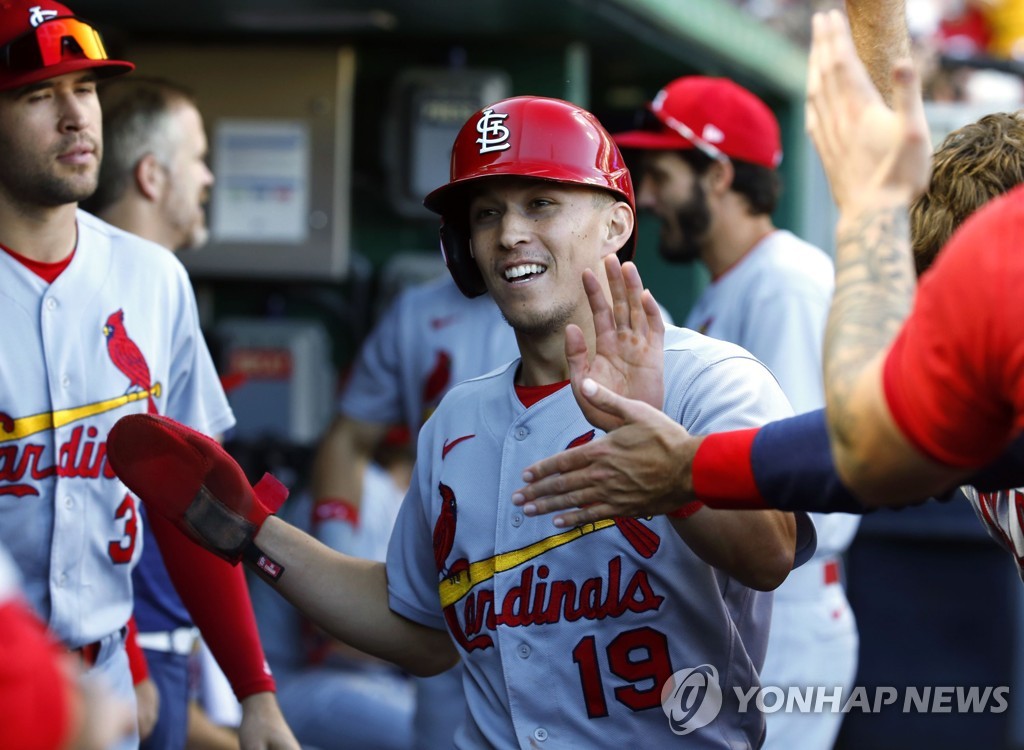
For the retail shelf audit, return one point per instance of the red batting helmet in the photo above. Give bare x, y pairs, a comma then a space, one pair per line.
41, 39
526, 136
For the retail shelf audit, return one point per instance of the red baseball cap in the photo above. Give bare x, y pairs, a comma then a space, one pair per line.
41, 39
714, 115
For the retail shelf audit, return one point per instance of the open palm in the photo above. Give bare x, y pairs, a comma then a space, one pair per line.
628, 357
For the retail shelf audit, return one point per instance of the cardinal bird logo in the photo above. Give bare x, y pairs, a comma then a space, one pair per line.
125, 355
639, 536
438, 379
444, 532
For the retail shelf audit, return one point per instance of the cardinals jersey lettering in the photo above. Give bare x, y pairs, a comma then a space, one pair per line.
116, 333
600, 615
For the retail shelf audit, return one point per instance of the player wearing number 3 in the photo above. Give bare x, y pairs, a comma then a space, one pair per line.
97, 323
568, 635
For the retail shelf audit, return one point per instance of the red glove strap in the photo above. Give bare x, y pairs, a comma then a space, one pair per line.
723, 476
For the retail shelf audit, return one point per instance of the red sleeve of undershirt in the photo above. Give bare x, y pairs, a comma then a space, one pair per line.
136, 659
217, 596
37, 693
953, 377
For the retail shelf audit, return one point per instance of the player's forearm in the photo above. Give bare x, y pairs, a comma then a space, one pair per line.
757, 549
356, 609
342, 457
881, 37
875, 284
789, 464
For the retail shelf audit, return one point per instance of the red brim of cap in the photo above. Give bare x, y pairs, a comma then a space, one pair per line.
103, 68
663, 140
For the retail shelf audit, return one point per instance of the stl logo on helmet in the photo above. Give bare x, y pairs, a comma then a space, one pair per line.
493, 133
36, 15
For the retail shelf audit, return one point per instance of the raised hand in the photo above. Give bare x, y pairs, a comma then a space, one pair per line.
629, 334
642, 468
869, 151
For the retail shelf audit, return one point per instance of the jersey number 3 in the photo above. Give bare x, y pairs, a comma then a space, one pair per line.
640, 657
121, 550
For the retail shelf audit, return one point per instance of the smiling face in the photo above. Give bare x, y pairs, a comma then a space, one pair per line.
532, 239
51, 141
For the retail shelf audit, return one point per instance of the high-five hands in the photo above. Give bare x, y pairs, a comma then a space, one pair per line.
641, 468
638, 468
629, 342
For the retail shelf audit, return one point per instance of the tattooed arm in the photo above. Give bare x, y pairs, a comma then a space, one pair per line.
877, 161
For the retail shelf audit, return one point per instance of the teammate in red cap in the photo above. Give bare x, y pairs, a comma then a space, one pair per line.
70, 282
705, 162
617, 620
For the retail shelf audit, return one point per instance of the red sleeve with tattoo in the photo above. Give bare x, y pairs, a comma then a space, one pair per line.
954, 377
217, 596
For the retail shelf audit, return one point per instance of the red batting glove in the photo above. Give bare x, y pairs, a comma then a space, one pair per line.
188, 478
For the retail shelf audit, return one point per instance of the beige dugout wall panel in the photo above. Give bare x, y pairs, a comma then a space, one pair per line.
279, 121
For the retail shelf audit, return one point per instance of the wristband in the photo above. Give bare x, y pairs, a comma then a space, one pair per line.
336, 509
723, 476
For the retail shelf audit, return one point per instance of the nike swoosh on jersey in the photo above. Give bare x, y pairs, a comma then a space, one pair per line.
446, 448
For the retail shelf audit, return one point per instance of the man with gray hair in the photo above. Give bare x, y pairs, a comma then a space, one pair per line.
154, 179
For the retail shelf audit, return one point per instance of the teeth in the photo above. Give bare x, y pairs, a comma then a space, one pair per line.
524, 270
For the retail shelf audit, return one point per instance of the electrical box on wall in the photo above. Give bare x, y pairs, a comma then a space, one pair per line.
428, 107
280, 150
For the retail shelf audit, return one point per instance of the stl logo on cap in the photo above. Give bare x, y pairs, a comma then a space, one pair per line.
493, 133
36, 15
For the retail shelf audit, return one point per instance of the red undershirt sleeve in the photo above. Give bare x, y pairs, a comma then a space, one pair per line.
217, 597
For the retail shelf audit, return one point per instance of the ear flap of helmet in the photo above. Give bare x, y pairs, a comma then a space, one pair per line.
459, 258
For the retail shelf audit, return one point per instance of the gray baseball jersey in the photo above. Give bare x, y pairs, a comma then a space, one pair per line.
560, 629
431, 338
774, 303
116, 333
